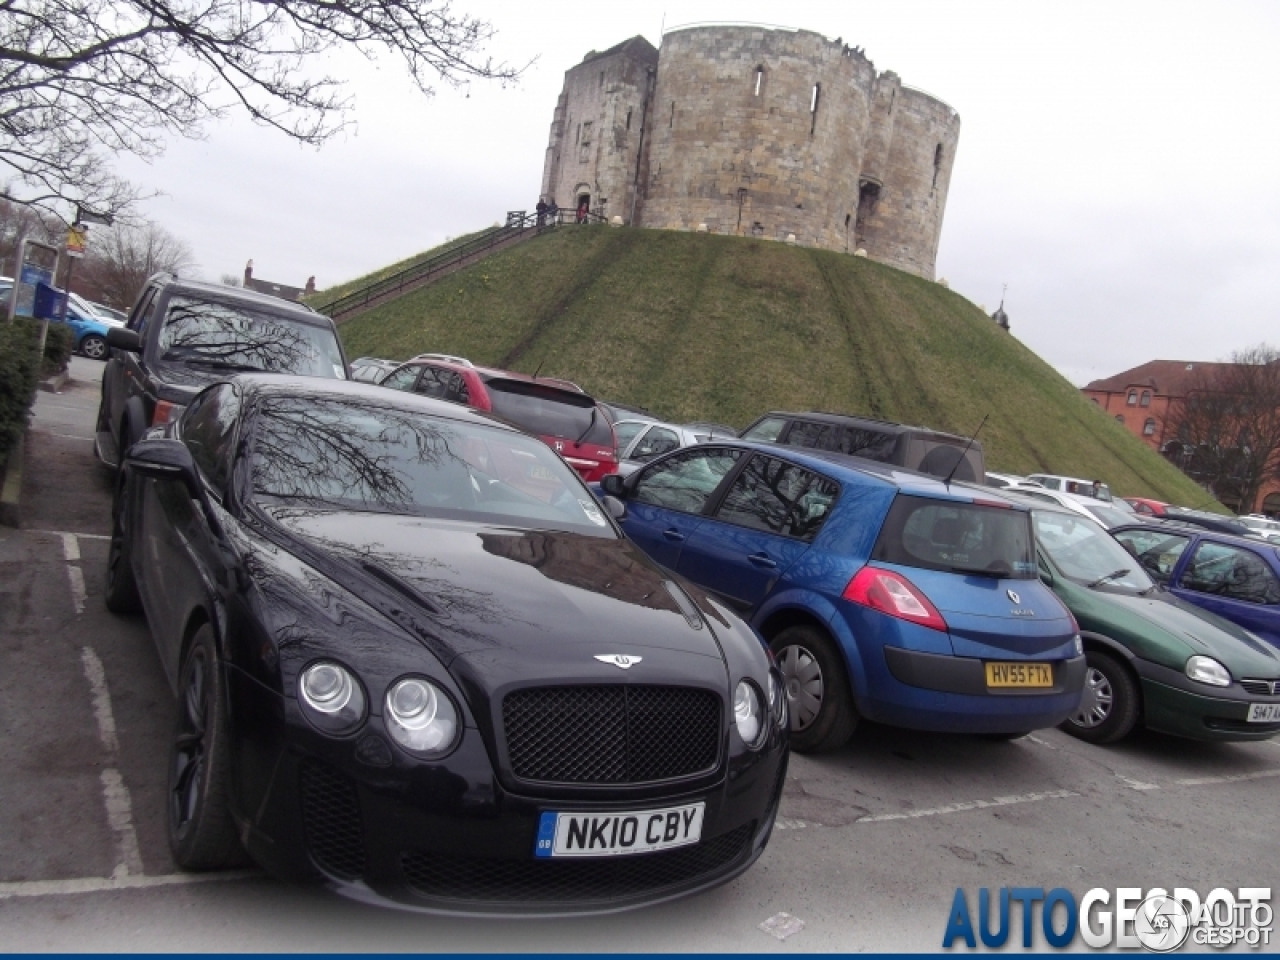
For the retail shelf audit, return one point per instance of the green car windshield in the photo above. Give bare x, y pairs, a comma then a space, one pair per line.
1086, 553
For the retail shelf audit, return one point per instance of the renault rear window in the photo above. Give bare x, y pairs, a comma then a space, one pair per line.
550, 412
957, 537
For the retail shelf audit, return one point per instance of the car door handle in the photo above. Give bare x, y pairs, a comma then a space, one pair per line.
673, 534
762, 560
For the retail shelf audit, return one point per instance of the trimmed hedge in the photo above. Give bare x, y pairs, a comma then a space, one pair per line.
19, 375
58, 346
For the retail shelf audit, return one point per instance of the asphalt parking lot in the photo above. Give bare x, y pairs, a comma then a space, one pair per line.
871, 844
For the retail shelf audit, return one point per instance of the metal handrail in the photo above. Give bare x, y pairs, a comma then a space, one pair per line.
519, 222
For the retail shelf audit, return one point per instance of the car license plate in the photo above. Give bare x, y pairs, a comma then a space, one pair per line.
1019, 675
1264, 713
618, 834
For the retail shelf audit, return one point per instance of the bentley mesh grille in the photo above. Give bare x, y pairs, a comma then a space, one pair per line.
331, 821
611, 734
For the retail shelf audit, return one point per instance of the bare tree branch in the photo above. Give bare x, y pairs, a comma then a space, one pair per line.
1228, 426
80, 78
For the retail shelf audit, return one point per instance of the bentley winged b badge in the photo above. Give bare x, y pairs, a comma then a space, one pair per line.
621, 660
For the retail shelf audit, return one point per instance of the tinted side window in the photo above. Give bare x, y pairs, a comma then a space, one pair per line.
458, 392
1231, 572
626, 431
143, 309
685, 481
402, 379
766, 430
778, 497
871, 444
819, 436
1158, 552
434, 382
655, 443
208, 430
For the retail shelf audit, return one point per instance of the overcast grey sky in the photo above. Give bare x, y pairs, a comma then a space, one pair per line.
1117, 164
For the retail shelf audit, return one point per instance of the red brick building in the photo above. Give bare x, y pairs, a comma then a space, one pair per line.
1141, 398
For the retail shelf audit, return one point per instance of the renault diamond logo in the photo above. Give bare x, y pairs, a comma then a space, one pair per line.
1013, 597
621, 660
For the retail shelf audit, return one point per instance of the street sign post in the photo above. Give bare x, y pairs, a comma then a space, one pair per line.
37, 263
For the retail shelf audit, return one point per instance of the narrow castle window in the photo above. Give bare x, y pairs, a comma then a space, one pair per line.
937, 163
577, 138
628, 120
672, 121
602, 78
759, 79
813, 108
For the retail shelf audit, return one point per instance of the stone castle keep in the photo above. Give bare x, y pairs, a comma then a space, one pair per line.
756, 132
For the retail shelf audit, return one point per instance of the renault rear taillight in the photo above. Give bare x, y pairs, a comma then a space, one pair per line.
894, 594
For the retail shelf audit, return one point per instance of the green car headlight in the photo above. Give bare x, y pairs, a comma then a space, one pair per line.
1210, 671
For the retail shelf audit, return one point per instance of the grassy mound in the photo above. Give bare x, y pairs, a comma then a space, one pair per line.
694, 326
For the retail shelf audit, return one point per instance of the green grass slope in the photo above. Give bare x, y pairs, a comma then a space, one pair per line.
694, 326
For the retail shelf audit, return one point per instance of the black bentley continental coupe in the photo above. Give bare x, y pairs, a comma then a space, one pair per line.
415, 658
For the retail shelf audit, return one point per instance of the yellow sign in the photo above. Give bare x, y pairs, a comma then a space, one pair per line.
77, 239
1019, 675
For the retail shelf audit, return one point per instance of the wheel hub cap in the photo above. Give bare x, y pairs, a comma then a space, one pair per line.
803, 679
1095, 705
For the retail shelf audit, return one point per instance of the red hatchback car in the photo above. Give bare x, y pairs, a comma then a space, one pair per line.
556, 411
1147, 507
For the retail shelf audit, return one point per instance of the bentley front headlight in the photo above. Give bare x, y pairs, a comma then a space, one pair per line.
421, 717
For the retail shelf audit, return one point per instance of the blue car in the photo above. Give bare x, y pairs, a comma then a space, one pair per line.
1236, 578
88, 332
883, 593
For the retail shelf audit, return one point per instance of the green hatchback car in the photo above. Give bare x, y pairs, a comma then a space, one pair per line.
1151, 657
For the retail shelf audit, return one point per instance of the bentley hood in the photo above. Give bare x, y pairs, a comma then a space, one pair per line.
516, 597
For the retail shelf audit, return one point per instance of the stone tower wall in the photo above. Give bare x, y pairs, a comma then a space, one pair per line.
595, 133
718, 147
733, 138
904, 184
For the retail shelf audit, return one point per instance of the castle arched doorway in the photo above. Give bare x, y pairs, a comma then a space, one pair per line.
584, 206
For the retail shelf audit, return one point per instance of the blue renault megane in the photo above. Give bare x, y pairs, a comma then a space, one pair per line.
883, 593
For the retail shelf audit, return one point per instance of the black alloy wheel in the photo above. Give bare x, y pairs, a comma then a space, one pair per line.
1110, 706
202, 832
121, 594
819, 699
94, 347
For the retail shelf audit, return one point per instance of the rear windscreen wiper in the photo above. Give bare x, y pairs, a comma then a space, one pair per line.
1001, 573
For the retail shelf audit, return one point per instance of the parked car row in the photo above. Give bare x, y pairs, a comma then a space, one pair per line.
472, 640
88, 323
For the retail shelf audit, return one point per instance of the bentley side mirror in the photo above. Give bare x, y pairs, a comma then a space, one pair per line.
123, 339
164, 459
614, 485
617, 509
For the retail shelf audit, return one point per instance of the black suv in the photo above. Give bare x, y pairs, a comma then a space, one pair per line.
916, 448
183, 335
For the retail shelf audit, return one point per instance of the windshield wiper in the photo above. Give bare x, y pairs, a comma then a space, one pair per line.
1110, 576
212, 364
591, 423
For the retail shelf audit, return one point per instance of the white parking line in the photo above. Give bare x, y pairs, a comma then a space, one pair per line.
65, 436
47, 888
63, 533
97, 678
970, 805
71, 550
1137, 784
1234, 778
115, 794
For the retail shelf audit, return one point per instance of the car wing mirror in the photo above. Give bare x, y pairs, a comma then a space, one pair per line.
616, 508
123, 339
615, 486
164, 459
